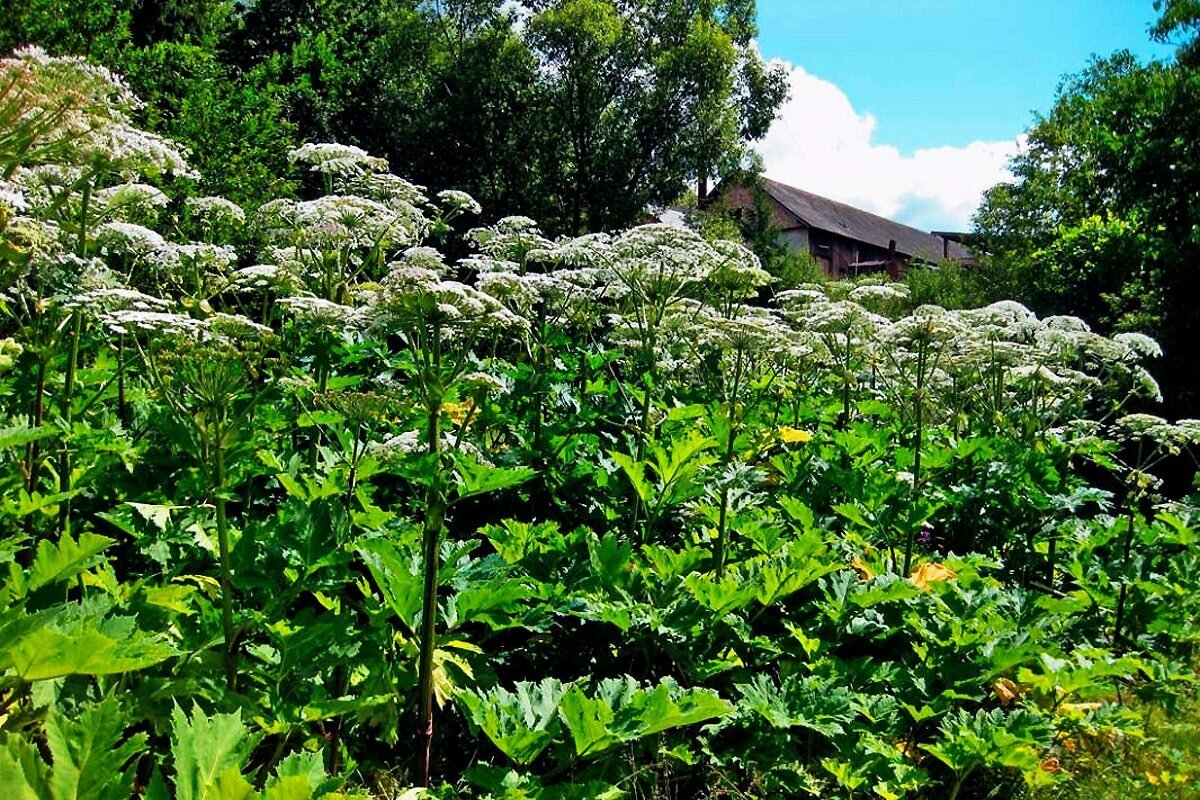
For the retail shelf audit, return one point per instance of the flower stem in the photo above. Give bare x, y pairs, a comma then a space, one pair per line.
218, 450
435, 515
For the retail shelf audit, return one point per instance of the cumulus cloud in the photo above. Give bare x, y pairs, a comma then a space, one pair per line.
822, 144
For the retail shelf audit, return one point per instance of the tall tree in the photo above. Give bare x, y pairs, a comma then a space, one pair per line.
648, 96
1103, 218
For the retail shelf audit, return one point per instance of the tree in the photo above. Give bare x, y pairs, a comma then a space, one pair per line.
649, 96
1103, 217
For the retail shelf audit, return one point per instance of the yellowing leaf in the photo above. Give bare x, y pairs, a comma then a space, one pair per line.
790, 435
865, 573
928, 574
1005, 690
458, 412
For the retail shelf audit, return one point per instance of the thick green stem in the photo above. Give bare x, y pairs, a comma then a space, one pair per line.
84, 207
1123, 594
218, 452
539, 368
731, 440
920, 407
122, 407
68, 413
435, 515
33, 453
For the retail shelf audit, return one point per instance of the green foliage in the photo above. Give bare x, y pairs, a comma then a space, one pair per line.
1094, 223
91, 758
605, 520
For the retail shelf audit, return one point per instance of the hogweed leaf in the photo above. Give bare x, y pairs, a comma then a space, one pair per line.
395, 576
209, 753
521, 723
588, 721
23, 774
300, 776
475, 479
90, 762
65, 559
82, 647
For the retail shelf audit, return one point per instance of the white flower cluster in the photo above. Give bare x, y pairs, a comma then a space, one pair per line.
514, 240
129, 239
339, 222
413, 297
12, 198
320, 313
216, 209
340, 160
1168, 437
126, 198
415, 443
194, 257
104, 302
459, 201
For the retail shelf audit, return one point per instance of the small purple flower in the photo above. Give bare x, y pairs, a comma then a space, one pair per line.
924, 537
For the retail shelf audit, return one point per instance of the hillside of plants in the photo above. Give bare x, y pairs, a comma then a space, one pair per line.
362, 491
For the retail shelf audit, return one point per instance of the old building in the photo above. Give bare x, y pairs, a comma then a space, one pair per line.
845, 240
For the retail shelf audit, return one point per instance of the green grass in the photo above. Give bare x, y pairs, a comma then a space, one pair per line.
1164, 765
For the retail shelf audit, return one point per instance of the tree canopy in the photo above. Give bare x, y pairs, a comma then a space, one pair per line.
579, 112
1103, 217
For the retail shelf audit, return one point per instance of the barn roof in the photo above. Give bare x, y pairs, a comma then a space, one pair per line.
821, 213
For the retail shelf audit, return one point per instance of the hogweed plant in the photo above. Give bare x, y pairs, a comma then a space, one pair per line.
1143, 441
207, 373
438, 321
780, 451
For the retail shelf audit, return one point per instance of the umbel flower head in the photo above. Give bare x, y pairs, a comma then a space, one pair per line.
215, 210
339, 160
413, 298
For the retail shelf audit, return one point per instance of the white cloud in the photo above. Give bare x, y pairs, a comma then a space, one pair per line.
821, 144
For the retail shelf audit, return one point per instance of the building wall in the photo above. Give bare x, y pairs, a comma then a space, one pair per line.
834, 253
743, 197
796, 239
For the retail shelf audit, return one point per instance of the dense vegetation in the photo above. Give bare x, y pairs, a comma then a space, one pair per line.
578, 112
1102, 218
345, 495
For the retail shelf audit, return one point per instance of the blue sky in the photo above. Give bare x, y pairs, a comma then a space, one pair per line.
910, 108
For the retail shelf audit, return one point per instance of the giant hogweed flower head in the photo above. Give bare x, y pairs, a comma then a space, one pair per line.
1139, 345
927, 325
50, 102
46, 185
319, 313
1004, 320
406, 200
336, 222
129, 201
126, 238
12, 200
459, 202
657, 262
132, 152
102, 303
512, 239
215, 210
415, 298
885, 299
838, 317
185, 260
558, 296
336, 160
1163, 435
737, 273
425, 257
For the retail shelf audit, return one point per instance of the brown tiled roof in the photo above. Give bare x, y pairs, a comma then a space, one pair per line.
824, 214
